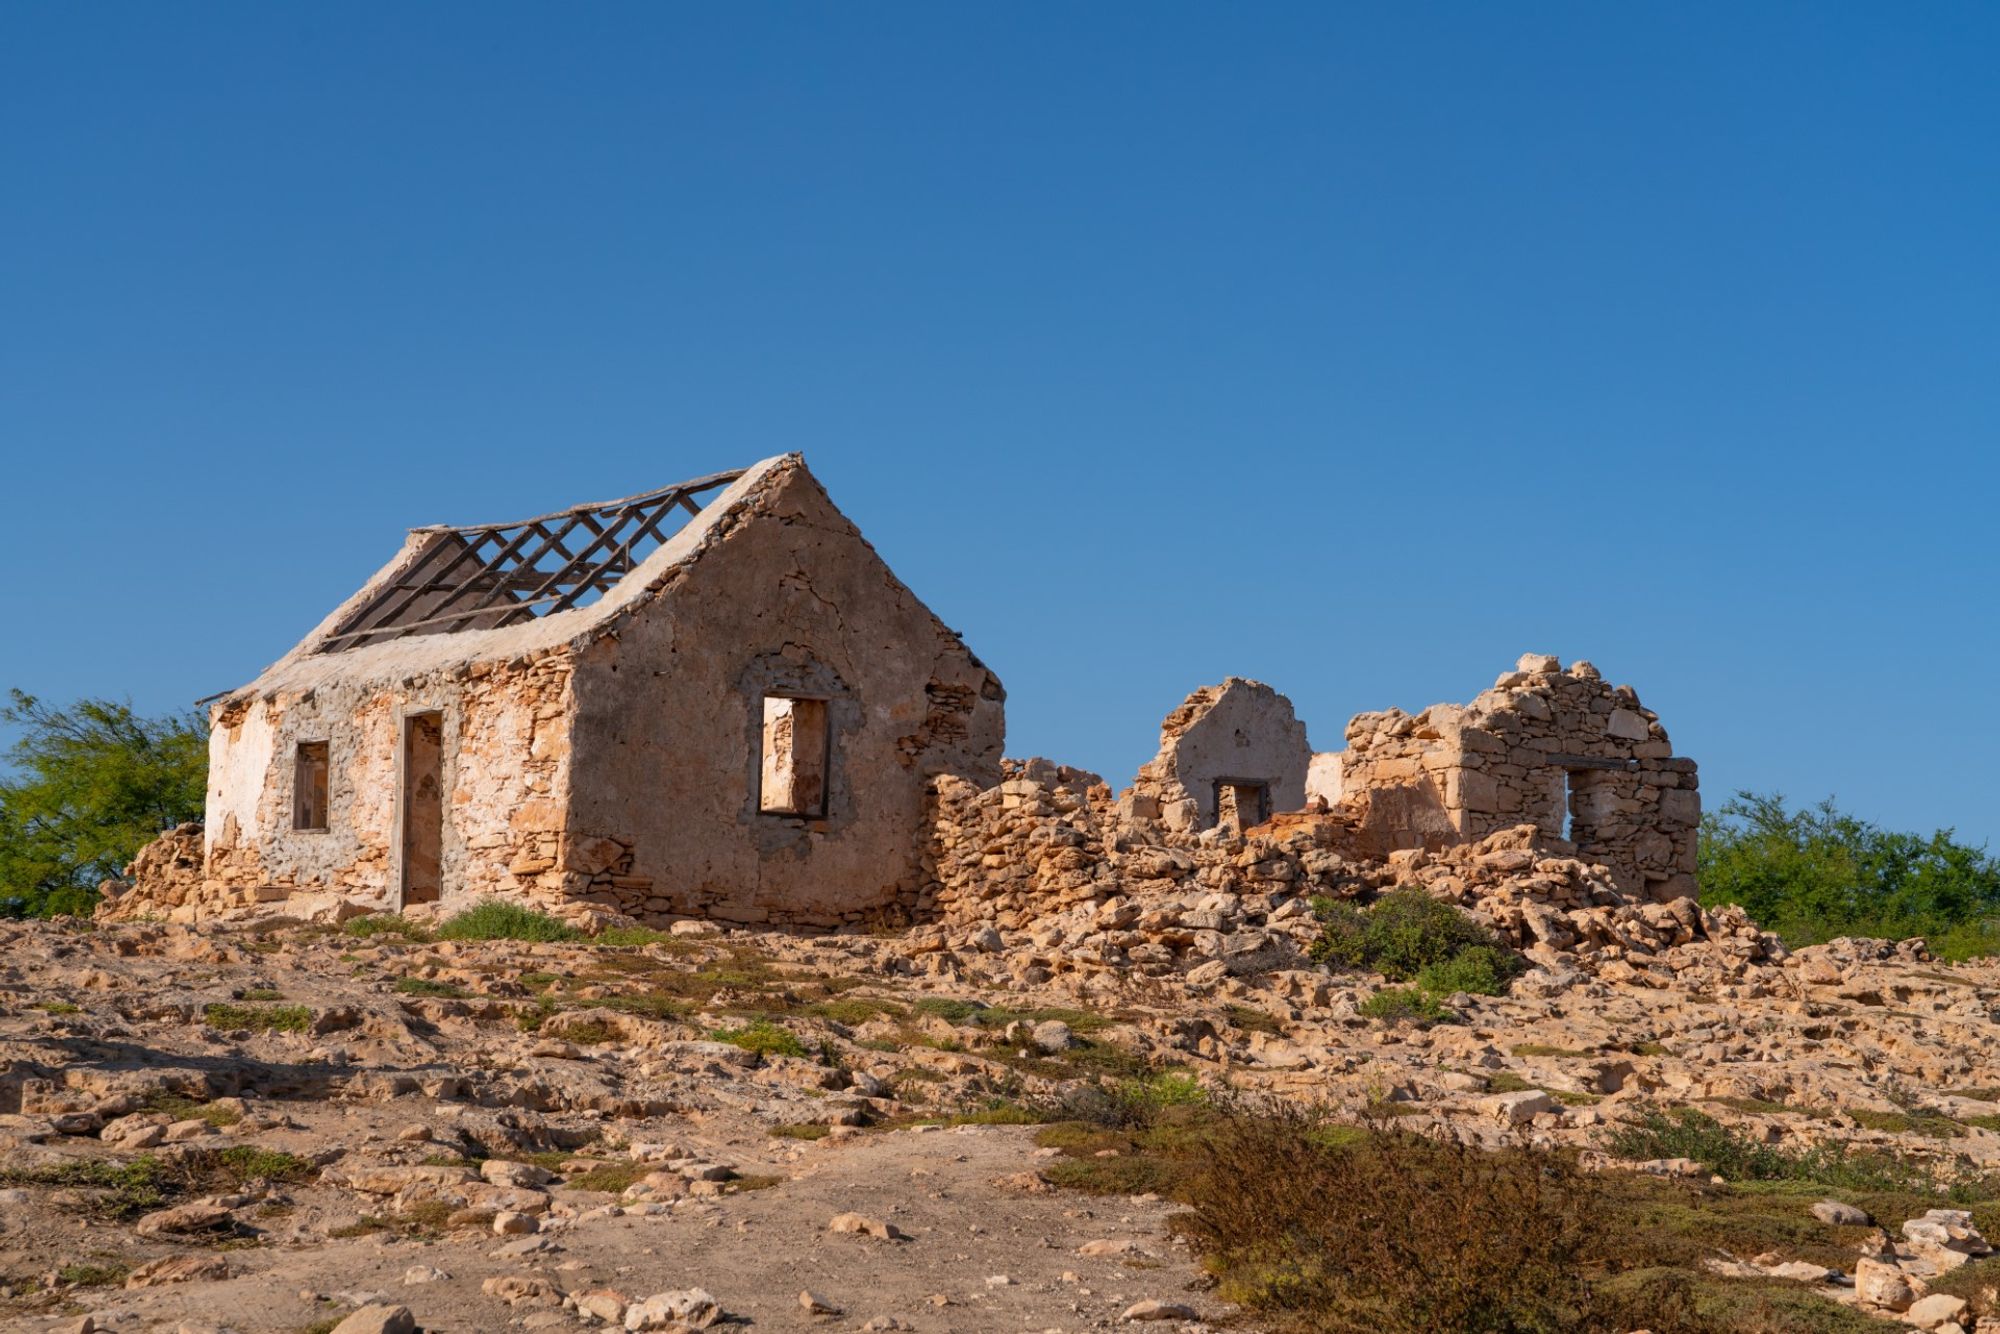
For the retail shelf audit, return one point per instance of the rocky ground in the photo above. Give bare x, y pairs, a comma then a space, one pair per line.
283, 1126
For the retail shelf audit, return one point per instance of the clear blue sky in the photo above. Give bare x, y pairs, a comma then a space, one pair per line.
1356, 349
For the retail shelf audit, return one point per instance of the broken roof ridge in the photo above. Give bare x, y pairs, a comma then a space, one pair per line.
488, 576
693, 484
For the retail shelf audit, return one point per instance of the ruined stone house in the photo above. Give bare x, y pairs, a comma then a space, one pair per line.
713, 699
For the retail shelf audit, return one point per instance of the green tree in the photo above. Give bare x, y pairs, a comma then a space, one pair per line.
1817, 872
91, 785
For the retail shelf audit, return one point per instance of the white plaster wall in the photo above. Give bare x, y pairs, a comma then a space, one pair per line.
1323, 776
239, 758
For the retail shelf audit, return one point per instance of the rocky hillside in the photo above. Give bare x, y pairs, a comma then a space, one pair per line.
283, 1126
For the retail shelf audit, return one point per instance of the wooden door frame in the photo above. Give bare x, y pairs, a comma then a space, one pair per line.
398, 846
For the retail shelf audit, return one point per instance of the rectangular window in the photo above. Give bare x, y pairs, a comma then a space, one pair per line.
792, 775
309, 785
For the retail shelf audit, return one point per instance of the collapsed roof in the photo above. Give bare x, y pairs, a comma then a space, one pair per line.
484, 576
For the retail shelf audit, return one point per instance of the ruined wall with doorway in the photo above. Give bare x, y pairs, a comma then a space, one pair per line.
753, 743
502, 738
1232, 754
1560, 750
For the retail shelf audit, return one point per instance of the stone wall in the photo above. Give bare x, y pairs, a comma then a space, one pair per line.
1048, 837
1560, 750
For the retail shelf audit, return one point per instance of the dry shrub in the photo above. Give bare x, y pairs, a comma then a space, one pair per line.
1389, 1232
1324, 1228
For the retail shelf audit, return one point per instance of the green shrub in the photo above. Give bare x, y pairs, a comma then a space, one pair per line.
1406, 934
763, 1037
1479, 969
496, 919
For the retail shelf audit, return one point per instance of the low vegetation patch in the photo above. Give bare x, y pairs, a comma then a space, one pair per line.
611, 1177
386, 924
424, 986
496, 919
182, 1108
87, 1275
1734, 1155
258, 1018
1408, 936
801, 1130
1324, 1228
1401, 1004
763, 1037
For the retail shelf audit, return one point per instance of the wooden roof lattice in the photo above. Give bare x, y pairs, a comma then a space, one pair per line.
485, 576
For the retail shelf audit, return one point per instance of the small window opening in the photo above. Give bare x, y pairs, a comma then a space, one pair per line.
309, 786
1240, 805
793, 771
1578, 813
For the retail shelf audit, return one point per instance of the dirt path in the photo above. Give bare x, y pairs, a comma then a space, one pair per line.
979, 1255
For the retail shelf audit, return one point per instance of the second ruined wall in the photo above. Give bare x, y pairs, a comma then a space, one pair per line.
1561, 750
792, 601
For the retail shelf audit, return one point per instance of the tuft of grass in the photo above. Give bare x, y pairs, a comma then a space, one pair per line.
611, 1177
590, 1033
119, 1190
1686, 1132
258, 1018
1935, 1125
85, 1275
801, 1130
424, 986
366, 1225
496, 919
56, 1007
386, 924
246, 1162
1543, 1049
182, 1108
629, 937
1405, 1005
852, 1010
260, 994
1253, 1020
763, 1037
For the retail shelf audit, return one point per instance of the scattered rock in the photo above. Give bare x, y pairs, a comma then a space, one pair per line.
1154, 1309
691, 1308
381, 1319
872, 1227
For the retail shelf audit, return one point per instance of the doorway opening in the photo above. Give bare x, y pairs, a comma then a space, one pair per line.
1241, 803
423, 808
